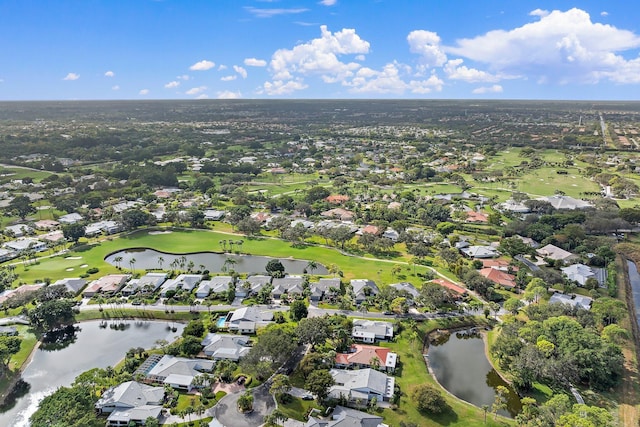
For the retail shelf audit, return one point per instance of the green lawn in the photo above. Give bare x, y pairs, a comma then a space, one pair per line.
29, 340
297, 408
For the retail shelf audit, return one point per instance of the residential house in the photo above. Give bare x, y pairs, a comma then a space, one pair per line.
248, 319
406, 288
361, 384
346, 417
362, 356
368, 229
580, 273
566, 202
450, 285
513, 207
252, 285
337, 199
362, 288
149, 282
178, 372
477, 217
499, 277
8, 331
18, 230
370, 331
109, 284
479, 252
7, 254
555, 253
225, 346
287, 286
323, 287
73, 284
71, 218
24, 244
498, 264
338, 213
24, 289
214, 215
128, 395
136, 416
46, 224
217, 285
391, 234
185, 282
106, 227
577, 301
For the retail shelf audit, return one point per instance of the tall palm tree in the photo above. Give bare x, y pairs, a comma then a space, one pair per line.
132, 263
223, 243
117, 260
160, 261
312, 266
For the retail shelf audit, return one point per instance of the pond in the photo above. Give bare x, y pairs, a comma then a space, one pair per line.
149, 259
94, 346
460, 365
634, 280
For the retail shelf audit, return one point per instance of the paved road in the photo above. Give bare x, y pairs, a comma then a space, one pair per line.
226, 411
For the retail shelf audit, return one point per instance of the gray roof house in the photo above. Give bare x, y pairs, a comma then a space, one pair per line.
322, 286
252, 285
369, 331
579, 301
178, 372
184, 281
581, 273
216, 285
129, 395
346, 417
363, 384
363, 288
73, 284
555, 253
137, 415
247, 319
225, 346
151, 281
71, 218
406, 287
566, 202
18, 230
479, 252
287, 285
26, 243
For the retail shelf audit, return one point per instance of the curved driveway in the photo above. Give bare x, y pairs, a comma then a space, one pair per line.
226, 411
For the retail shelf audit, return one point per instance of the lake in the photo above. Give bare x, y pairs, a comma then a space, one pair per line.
93, 347
460, 365
634, 279
148, 259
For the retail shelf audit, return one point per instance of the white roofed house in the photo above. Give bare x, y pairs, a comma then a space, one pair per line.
362, 288
361, 384
217, 285
185, 282
252, 285
149, 283
131, 402
18, 230
108, 227
225, 346
248, 319
25, 244
369, 331
71, 218
178, 372
346, 417
576, 301
555, 253
580, 273
109, 284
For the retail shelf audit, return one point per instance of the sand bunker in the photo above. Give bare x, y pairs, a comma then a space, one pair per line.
160, 232
73, 257
69, 269
84, 266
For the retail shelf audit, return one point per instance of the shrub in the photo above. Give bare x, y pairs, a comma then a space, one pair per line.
93, 270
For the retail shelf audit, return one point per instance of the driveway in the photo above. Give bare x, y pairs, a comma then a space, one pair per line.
226, 411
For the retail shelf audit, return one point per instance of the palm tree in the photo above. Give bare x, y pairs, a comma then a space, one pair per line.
231, 243
223, 243
117, 260
240, 243
312, 266
160, 262
228, 262
190, 266
132, 263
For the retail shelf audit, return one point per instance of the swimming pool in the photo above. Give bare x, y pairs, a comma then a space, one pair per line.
221, 321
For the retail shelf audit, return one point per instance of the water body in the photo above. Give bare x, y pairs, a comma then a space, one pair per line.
147, 259
93, 347
461, 366
634, 279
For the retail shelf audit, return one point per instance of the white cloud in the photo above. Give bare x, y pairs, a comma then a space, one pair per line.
172, 85
144, 92
202, 96
539, 12
269, 13
604, 13
72, 76
202, 65
427, 45
253, 62
240, 71
227, 94
432, 84
455, 71
359, 57
115, 87
228, 78
222, 67
184, 77
320, 56
196, 90
487, 89
328, 2
279, 87
559, 47
109, 74
391, 80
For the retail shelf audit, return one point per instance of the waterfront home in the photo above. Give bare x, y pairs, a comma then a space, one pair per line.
574, 300
288, 285
362, 288
252, 285
129, 395
580, 273
177, 372
150, 282
73, 284
225, 346
361, 384
184, 281
217, 285
246, 319
369, 331
323, 287
109, 284
362, 356
346, 417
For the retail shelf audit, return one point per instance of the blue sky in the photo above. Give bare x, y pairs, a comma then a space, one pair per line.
188, 49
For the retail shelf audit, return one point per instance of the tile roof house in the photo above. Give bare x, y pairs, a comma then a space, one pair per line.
337, 199
361, 356
216, 285
363, 384
370, 331
477, 217
46, 224
479, 252
363, 288
108, 284
450, 285
555, 253
129, 395
137, 415
247, 319
339, 213
178, 372
225, 346
346, 417
499, 277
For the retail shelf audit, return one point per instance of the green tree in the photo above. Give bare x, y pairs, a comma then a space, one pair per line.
429, 399
245, 402
313, 330
68, 407
513, 305
21, 206
298, 310
190, 346
275, 268
319, 382
280, 387
73, 232
8, 347
53, 314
